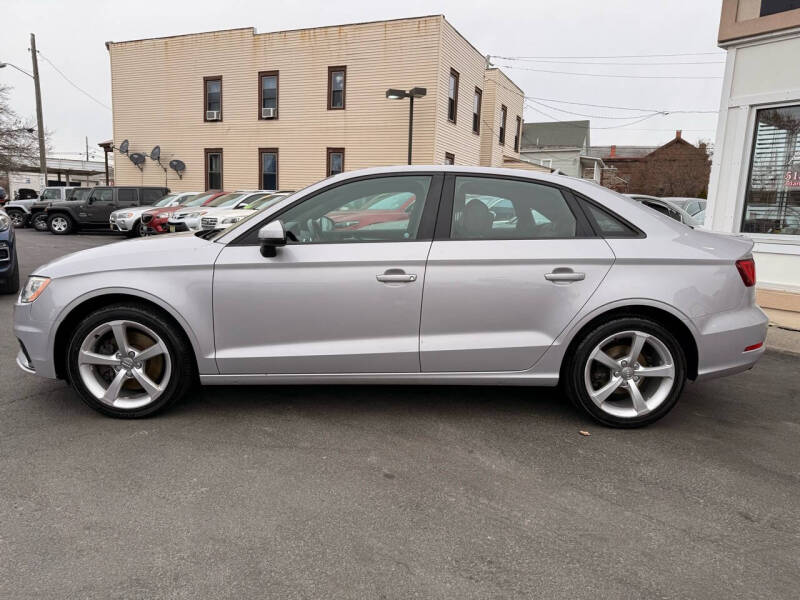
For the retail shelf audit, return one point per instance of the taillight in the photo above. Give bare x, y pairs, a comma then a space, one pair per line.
747, 269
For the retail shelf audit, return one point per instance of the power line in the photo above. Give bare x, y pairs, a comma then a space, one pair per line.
569, 112
613, 76
648, 110
615, 56
81, 90
567, 123
627, 63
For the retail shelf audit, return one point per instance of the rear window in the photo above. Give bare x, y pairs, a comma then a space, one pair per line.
607, 224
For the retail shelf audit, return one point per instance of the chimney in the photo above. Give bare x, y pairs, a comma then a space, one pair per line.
678, 134
613, 152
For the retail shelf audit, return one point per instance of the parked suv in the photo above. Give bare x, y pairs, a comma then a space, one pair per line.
19, 211
38, 215
94, 211
9, 265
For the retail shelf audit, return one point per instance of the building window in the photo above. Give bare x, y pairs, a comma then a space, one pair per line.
476, 111
213, 168
772, 198
503, 115
212, 98
268, 168
337, 80
772, 7
268, 95
449, 159
335, 161
517, 134
452, 96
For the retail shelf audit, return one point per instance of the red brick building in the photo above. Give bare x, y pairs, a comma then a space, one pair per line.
677, 168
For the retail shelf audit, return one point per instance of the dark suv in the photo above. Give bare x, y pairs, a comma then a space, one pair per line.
93, 211
9, 265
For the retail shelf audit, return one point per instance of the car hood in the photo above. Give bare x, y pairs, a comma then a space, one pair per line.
222, 213
142, 253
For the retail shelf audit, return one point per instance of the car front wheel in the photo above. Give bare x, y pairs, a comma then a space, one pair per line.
39, 222
129, 361
59, 224
17, 217
628, 372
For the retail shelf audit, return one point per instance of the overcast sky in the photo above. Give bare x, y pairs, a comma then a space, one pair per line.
72, 33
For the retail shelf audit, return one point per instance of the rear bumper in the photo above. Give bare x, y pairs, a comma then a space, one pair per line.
724, 338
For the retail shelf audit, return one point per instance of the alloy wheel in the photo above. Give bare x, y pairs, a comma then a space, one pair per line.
40, 223
124, 364
17, 218
59, 224
629, 374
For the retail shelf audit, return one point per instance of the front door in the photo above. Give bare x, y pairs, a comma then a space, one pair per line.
99, 206
343, 296
512, 263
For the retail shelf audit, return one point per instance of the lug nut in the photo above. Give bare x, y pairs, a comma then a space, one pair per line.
636, 378
616, 373
131, 354
635, 365
624, 363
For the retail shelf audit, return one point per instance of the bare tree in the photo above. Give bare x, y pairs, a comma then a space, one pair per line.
19, 144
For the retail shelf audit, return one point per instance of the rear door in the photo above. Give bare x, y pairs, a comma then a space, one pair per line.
501, 285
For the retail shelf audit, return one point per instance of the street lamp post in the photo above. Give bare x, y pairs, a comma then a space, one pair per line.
39, 117
417, 92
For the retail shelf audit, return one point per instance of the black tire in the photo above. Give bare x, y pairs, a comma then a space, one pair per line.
134, 231
18, 217
183, 369
573, 374
11, 285
58, 218
39, 222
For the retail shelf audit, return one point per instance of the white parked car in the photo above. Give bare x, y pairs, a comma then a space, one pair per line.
129, 220
222, 217
189, 220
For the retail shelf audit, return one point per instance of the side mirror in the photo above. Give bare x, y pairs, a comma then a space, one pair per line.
271, 236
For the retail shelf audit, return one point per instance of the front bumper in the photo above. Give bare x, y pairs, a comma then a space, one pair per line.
724, 338
34, 337
123, 225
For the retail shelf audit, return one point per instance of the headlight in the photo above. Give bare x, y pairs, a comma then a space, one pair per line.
230, 220
163, 216
126, 215
5, 222
33, 288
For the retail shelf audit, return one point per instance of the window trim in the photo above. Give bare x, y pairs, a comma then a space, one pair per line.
583, 227
582, 201
260, 181
331, 71
455, 74
328, 152
206, 152
518, 134
451, 156
476, 127
205, 97
261, 75
427, 222
501, 136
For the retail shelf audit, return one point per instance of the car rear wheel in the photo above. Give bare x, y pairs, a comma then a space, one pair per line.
628, 372
129, 361
17, 217
39, 222
142, 230
59, 224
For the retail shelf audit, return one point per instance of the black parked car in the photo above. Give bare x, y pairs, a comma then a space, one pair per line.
93, 211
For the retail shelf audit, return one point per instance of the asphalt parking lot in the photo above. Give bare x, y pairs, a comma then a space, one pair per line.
416, 492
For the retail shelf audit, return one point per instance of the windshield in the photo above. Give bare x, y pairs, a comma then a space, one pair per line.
199, 200
51, 194
166, 200
225, 200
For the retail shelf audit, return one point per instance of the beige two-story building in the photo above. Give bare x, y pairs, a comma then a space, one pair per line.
247, 110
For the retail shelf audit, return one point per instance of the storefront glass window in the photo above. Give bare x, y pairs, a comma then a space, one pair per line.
772, 199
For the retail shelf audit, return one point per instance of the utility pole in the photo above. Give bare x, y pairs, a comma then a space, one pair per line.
39, 117
87, 148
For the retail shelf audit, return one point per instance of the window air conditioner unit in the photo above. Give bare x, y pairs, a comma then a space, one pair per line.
267, 113
212, 115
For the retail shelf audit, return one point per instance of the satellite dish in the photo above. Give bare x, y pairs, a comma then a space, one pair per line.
178, 166
123, 147
155, 153
138, 159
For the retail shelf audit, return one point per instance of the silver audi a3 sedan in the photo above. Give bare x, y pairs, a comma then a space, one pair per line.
418, 275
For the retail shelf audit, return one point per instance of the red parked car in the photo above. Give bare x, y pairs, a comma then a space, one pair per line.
156, 219
373, 211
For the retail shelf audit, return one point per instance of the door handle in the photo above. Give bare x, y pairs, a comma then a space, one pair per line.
564, 275
396, 276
